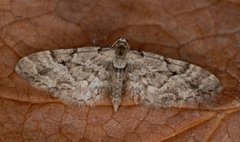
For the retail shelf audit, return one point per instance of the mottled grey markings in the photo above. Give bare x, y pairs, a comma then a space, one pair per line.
85, 75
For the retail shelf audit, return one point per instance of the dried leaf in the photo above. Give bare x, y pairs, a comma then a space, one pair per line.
204, 32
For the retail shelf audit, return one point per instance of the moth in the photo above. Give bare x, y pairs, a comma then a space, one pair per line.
85, 75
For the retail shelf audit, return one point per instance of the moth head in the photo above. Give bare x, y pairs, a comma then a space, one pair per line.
121, 47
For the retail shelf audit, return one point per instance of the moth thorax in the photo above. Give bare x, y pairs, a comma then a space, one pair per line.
119, 63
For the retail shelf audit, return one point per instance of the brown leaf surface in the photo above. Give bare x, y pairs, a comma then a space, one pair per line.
202, 32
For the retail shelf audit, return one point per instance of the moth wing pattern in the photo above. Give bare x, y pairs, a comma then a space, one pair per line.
77, 76
158, 81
